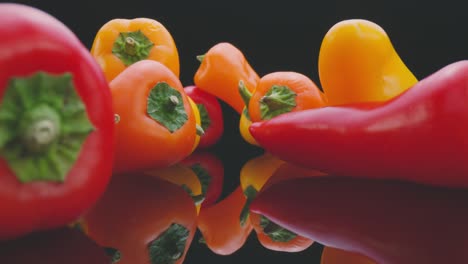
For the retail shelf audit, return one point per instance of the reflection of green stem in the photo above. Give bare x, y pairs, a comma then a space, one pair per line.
276, 232
169, 246
250, 194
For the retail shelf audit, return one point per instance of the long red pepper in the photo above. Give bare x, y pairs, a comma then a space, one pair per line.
421, 135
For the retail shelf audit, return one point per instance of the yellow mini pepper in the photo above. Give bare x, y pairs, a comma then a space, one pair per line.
358, 63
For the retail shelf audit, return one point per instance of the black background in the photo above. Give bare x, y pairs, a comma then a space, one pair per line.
275, 36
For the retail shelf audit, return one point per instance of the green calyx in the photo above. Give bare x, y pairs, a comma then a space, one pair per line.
131, 47
203, 176
169, 246
165, 105
197, 199
245, 95
276, 232
250, 194
204, 117
43, 125
278, 100
113, 253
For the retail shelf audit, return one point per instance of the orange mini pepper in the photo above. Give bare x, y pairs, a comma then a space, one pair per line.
220, 71
358, 63
143, 219
281, 92
220, 226
156, 126
184, 177
121, 42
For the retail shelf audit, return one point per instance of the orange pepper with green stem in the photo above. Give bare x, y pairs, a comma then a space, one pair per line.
281, 92
220, 226
358, 63
185, 178
156, 125
220, 71
121, 42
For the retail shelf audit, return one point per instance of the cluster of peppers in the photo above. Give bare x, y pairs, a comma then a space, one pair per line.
72, 117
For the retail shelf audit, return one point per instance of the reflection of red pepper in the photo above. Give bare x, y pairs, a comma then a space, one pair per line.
210, 171
271, 235
56, 124
390, 222
144, 219
220, 224
421, 135
211, 115
57, 246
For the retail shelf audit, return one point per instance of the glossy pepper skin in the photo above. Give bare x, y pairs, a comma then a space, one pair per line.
156, 125
418, 136
210, 172
386, 221
211, 115
136, 219
121, 42
332, 255
358, 63
220, 226
61, 96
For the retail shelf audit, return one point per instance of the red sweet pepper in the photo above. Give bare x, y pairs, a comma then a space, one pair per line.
56, 123
387, 221
420, 135
211, 115
210, 171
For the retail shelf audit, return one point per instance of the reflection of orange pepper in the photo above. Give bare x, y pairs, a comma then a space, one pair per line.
122, 42
271, 239
143, 219
183, 177
220, 71
253, 175
338, 256
220, 225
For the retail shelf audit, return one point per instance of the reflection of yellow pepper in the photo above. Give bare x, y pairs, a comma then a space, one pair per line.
358, 63
254, 174
200, 131
184, 177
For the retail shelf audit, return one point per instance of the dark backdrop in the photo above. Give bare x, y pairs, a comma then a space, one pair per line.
275, 35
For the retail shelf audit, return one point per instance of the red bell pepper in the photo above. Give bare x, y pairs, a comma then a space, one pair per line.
420, 135
210, 171
58, 246
56, 123
387, 221
211, 115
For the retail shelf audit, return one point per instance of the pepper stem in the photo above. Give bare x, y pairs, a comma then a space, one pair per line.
200, 57
130, 46
169, 246
244, 93
278, 100
200, 131
40, 134
250, 194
